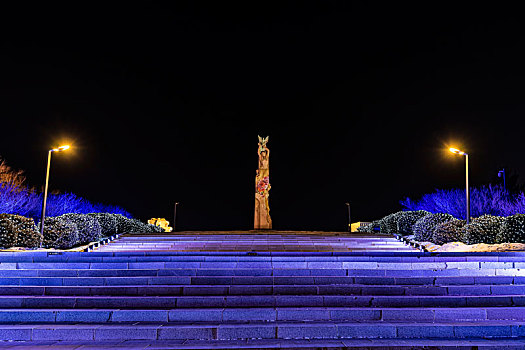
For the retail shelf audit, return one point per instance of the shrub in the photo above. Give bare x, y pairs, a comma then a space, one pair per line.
133, 226
107, 222
59, 233
388, 224
121, 222
484, 229
375, 226
365, 228
512, 230
28, 234
406, 221
19, 231
155, 228
449, 231
127, 225
88, 227
8, 232
424, 228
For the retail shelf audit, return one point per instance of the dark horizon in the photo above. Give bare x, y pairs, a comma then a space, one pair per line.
163, 104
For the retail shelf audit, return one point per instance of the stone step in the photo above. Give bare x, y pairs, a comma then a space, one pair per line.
115, 299
439, 284
163, 301
353, 344
119, 288
281, 264
294, 276
413, 256
276, 314
262, 330
467, 274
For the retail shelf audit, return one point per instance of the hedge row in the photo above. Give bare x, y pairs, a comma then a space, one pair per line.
68, 230
442, 228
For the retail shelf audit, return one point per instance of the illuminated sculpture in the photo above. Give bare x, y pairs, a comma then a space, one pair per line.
165, 224
262, 220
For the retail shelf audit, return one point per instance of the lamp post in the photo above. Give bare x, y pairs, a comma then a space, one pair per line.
175, 216
58, 149
501, 173
461, 153
349, 221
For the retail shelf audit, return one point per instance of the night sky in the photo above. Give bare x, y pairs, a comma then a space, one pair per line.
164, 104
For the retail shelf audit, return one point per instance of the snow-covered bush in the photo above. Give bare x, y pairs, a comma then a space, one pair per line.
19, 231
375, 226
59, 233
107, 222
133, 226
449, 231
154, 228
512, 230
424, 228
484, 229
365, 228
407, 220
121, 223
88, 227
8, 232
388, 224
28, 234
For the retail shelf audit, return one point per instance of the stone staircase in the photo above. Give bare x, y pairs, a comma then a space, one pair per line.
162, 292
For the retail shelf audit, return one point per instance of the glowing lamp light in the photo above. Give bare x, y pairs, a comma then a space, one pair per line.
457, 151
60, 149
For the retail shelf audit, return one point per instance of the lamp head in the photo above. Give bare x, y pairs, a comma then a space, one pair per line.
60, 149
456, 151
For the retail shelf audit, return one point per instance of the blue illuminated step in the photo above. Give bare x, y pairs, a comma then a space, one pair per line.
346, 343
263, 330
248, 301
263, 314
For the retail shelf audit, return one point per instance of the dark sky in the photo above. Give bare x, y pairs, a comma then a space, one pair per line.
163, 103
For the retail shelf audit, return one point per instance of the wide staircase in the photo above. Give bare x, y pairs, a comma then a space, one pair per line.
284, 290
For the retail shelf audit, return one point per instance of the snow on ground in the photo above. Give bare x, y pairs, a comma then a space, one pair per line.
481, 247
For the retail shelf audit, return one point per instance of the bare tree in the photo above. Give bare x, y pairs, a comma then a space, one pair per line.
9, 176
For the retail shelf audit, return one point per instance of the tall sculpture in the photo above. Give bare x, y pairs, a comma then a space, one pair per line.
262, 220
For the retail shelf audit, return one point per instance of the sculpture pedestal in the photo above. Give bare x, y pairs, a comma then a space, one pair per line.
262, 219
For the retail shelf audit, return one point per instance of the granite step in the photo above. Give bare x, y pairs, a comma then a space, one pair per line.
213, 289
263, 330
353, 344
263, 314
268, 264
414, 256
154, 302
126, 287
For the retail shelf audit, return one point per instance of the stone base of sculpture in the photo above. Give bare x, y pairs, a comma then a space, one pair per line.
262, 220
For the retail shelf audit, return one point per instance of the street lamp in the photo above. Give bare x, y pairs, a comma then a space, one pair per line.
501, 173
58, 149
349, 222
175, 216
461, 153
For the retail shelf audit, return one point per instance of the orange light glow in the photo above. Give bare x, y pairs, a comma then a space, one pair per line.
457, 151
